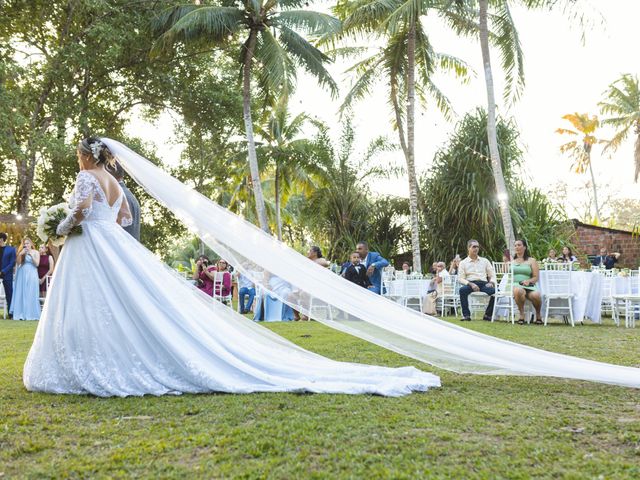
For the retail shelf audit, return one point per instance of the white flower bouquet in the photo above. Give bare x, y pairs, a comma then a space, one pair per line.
49, 220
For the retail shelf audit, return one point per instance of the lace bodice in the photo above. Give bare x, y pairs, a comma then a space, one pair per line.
89, 203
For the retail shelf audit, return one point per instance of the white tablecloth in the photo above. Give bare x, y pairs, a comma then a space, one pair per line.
396, 287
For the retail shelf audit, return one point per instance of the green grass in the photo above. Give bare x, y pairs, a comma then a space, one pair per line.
472, 427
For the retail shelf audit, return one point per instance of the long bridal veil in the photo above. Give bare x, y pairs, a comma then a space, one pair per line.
337, 303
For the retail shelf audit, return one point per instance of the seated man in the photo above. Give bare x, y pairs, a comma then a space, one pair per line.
374, 263
357, 273
476, 274
246, 289
605, 260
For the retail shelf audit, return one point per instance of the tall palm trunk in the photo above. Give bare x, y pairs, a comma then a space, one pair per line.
636, 153
410, 151
248, 125
496, 165
593, 183
277, 195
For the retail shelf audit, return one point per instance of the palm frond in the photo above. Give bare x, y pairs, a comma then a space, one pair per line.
211, 24
314, 23
309, 57
276, 70
360, 89
507, 41
367, 15
406, 13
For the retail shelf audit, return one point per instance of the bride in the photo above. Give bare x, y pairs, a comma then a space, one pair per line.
118, 322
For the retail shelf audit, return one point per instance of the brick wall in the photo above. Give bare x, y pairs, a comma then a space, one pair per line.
589, 239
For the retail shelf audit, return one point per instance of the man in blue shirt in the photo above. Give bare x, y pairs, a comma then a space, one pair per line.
605, 260
374, 262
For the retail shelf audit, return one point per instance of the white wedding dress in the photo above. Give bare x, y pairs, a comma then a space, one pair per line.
119, 322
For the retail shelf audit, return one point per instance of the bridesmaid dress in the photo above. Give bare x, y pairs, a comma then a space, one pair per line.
25, 304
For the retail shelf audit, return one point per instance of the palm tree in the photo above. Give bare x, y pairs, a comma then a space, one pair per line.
623, 105
496, 164
290, 155
461, 16
585, 126
407, 51
270, 39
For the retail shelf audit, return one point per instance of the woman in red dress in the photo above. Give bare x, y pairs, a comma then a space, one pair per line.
45, 268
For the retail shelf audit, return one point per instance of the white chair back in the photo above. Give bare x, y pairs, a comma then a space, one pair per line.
387, 283
218, 283
400, 275
413, 288
450, 285
414, 292
559, 281
501, 268
567, 266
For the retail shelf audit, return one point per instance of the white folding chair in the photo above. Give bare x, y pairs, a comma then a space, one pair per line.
558, 280
217, 290
3, 301
450, 297
629, 302
320, 310
413, 293
387, 280
606, 305
478, 302
504, 294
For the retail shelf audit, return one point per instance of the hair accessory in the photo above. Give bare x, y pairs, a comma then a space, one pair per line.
96, 149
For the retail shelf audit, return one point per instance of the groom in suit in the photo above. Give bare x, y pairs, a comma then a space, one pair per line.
134, 206
374, 263
7, 262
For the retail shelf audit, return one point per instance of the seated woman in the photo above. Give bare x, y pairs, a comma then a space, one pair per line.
222, 283
567, 256
552, 257
204, 275
406, 268
525, 276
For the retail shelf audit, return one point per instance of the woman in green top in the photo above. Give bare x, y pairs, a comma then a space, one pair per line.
525, 277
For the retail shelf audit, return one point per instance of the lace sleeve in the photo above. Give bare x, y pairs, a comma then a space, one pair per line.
81, 202
124, 214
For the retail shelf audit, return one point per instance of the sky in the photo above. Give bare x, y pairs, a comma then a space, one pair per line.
564, 73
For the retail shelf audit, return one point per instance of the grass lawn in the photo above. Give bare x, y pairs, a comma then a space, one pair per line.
472, 427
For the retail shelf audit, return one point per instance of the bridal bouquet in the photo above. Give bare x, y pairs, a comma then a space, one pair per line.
49, 220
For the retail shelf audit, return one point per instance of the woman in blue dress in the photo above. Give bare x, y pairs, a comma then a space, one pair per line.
25, 304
